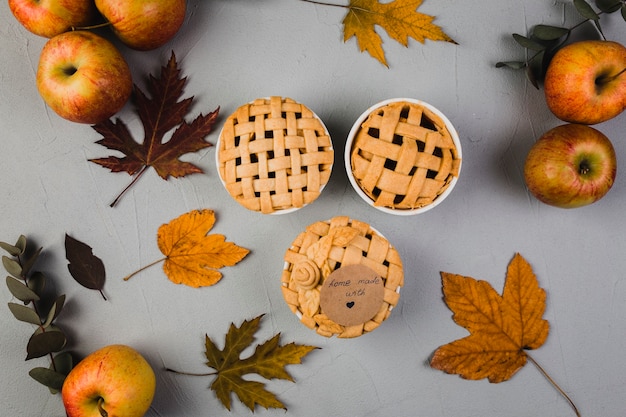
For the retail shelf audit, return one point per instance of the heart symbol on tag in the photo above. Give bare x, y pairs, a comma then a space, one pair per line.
350, 304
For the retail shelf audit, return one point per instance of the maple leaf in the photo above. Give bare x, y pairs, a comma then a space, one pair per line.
159, 114
268, 361
399, 18
502, 327
192, 257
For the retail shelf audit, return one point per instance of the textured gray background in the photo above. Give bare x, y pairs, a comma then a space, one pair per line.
236, 50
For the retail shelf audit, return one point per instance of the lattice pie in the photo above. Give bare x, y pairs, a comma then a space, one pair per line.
274, 154
403, 156
322, 250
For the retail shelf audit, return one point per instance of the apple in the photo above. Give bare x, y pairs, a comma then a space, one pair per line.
146, 24
49, 18
114, 381
83, 77
585, 81
571, 165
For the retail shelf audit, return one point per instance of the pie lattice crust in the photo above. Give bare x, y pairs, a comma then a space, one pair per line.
274, 154
403, 156
326, 246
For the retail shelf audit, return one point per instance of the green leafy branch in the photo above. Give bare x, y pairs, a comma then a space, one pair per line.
27, 286
544, 40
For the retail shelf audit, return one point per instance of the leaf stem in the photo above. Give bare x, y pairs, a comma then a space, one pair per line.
554, 384
137, 176
321, 3
191, 373
127, 277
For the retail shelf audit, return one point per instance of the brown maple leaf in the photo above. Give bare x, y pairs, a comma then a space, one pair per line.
159, 114
399, 18
268, 360
193, 257
502, 327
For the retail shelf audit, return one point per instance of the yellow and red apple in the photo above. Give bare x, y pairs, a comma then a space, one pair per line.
114, 381
49, 18
83, 77
571, 165
585, 81
145, 24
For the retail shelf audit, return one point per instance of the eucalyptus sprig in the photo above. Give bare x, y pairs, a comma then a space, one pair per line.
544, 40
27, 286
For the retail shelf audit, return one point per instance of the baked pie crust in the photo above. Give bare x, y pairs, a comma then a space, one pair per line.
326, 246
274, 154
403, 156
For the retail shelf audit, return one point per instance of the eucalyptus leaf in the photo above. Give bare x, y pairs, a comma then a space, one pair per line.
63, 362
37, 282
549, 33
609, 6
28, 264
11, 249
624, 12
21, 290
55, 310
531, 76
23, 313
21, 244
43, 344
585, 10
48, 377
528, 43
12, 267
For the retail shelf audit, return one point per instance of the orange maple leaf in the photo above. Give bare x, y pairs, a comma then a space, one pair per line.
400, 20
193, 257
501, 328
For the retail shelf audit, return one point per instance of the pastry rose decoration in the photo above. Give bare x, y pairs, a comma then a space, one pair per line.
306, 274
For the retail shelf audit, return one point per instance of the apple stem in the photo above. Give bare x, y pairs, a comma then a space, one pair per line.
190, 373
102, 411
137, 176
96, 26
603, 79
127, 277
554, 384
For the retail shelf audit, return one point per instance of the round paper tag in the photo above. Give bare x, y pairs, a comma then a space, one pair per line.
352, 295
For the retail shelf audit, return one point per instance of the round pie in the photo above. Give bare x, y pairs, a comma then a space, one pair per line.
404, 155
274, 155
341, 277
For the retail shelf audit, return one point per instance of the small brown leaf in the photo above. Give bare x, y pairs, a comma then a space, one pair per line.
86, 268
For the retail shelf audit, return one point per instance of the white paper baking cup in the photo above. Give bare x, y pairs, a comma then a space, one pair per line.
348, 163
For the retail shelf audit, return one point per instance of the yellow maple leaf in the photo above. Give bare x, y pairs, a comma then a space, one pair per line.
400, 20
501, 327
193, 257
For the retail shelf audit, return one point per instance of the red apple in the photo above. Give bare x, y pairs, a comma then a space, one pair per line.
586, 81
115, 381
83, 77
49, 18
145, 24
571, 165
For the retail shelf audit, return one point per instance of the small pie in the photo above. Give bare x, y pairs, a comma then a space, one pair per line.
403, 156
274, 154
323, 249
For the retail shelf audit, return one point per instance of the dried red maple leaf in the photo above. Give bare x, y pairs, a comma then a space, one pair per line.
159, 114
